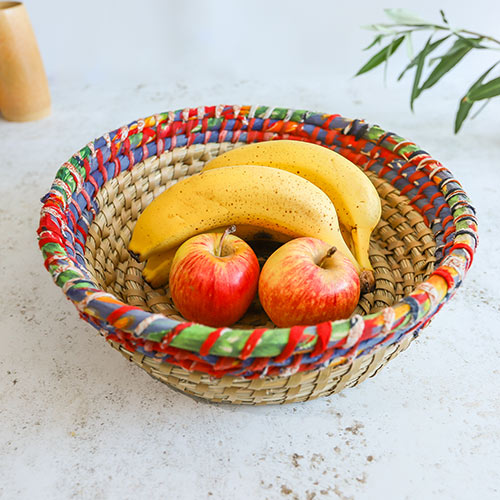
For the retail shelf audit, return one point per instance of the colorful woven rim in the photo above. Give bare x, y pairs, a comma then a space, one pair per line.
70, 207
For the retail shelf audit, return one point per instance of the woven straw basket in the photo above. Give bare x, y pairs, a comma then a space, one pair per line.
421, 250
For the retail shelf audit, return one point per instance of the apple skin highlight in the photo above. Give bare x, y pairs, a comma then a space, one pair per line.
299, 286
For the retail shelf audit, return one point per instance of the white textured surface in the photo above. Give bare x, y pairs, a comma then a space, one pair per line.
78, 421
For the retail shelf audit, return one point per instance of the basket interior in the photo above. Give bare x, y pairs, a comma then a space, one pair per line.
402, 249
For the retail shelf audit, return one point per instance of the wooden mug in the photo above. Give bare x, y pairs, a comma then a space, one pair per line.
24, 91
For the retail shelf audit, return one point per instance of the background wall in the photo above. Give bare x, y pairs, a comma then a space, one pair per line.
121, 42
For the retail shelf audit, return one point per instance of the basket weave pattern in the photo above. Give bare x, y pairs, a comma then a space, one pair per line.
420, 252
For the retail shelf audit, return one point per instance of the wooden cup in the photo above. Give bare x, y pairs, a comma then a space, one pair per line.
24, 91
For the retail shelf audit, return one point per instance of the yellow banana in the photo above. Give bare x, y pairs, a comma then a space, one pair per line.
354, 196
259, 196
158, 266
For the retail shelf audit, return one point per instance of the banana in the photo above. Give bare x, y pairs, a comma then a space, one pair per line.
354, 196
158, 266
265, 197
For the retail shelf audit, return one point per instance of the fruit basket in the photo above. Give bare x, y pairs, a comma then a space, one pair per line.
420, 252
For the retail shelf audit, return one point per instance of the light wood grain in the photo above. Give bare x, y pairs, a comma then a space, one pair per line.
24, 91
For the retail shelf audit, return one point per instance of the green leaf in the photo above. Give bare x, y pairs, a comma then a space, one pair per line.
375, 41
485, 91
403, 16
443, 16
475, 43
431, 47
415, 91
466, 102
381, 56
387, 29
460, 44
462, 112
409, 46
448, 61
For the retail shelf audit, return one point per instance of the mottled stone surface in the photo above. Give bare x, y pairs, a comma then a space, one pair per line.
78, 421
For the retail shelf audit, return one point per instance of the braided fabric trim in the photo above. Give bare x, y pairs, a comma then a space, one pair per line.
69, 208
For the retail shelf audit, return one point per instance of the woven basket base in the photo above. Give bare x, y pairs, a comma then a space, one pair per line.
401, 252
296, 388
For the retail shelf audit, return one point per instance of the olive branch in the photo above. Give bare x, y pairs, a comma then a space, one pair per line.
457, 43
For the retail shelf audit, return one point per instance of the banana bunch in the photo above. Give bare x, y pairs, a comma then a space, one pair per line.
354, 196
275, 201
276, 191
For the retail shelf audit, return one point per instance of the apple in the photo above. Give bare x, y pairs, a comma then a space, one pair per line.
306, 282
214, 278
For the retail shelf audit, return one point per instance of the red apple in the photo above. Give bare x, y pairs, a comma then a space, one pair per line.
306, 282
214, 278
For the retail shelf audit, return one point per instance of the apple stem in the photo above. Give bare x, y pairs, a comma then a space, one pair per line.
329, 253
229, 230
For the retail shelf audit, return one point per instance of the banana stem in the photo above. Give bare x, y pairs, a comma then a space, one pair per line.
229, 230
329, 253
367, 281
361, 241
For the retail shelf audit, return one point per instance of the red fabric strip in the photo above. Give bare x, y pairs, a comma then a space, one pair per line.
131, 160
251, 343
163, 131
326, 124
407, 188
94, 183
324, 330
425, 185
72, 217
174, 332
438, 211
86, 165
330, 137
126, 146
396, 179
117, 313
100, 164
147, 135
416, 198
446, 275
226, 364
82, 231
293, 340
465, 247
430, 205
435, 196
77, 208
416, 176
160, 144
258, 365
210, 341
99, 157
117, 167
209, 111
448, 232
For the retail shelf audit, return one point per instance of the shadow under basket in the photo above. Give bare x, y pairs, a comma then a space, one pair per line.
420, 251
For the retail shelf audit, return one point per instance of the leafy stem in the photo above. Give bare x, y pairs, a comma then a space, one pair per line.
423, 27
460, 43
485, 37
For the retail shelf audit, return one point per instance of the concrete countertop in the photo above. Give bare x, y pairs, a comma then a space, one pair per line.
78, 421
